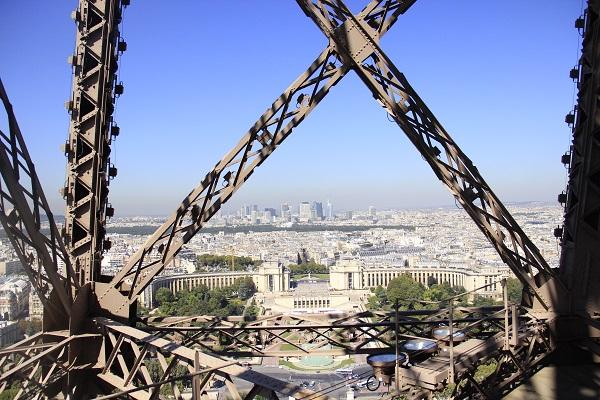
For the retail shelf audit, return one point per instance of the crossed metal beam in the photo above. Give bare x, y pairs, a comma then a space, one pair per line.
228, 175
353, 44
358, 45
133, 378
117, 357
23, 210
367, 332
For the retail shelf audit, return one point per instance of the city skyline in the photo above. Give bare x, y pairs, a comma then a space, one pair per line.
347, 150
229, 210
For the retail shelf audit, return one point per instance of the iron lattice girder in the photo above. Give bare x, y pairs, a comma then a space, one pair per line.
23, 211
357, 44
127, 376
513, 365
88, 146
271, 129
362, 333
38, 363
121, 353
580, 255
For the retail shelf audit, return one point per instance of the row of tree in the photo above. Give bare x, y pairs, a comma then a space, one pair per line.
201, 300
239, 263
310, 267
412, 294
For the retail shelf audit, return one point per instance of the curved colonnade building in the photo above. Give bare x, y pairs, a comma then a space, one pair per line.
272, 280
356, 274
268, 277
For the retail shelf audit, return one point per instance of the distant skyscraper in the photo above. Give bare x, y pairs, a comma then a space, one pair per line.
318, 210
305, 211
267, 217
329, 210
271, 211
286, 212
245, 210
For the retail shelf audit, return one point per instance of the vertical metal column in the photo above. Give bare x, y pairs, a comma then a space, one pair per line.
506, 313
451, 371
580, 255
90, 131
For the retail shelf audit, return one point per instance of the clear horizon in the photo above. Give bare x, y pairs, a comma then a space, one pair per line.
188, 99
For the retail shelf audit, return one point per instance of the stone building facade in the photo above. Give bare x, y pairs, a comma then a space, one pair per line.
354, 274
268, 277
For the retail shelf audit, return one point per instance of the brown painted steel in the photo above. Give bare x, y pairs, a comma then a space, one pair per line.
580, 254
23, 210
88, 146
357, 43
271, 129
100, 355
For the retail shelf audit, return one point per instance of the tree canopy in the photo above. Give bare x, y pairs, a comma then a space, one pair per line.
239, 263
204, 301
404, 289
308, 268
515, 290
410, 293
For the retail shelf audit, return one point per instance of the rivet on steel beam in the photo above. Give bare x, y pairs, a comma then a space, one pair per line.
374, 22
69, 105
65, 148
227, 177
122, 46
125, 3
112, 171
435, 151
110, 211
107, 244
115, 130
558, 231
565, 158
570, 118
562, 198
579, 23
119, 88
470, 194
195, 212
302, 100
63, 191
574, 73
72, 60
75, 15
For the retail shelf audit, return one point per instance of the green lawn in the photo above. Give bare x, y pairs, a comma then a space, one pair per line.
320, 276
287, 346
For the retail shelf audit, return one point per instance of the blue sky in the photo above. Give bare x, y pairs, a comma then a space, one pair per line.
197, 75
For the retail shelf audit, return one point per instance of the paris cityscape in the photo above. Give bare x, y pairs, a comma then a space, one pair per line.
373, 246
342, 269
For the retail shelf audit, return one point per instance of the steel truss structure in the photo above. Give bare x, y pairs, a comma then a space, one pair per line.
366, 332
95, 88
119, 354
580, 255
23, 209
93, 345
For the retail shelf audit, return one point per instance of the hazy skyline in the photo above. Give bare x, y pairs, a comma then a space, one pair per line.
197, 76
